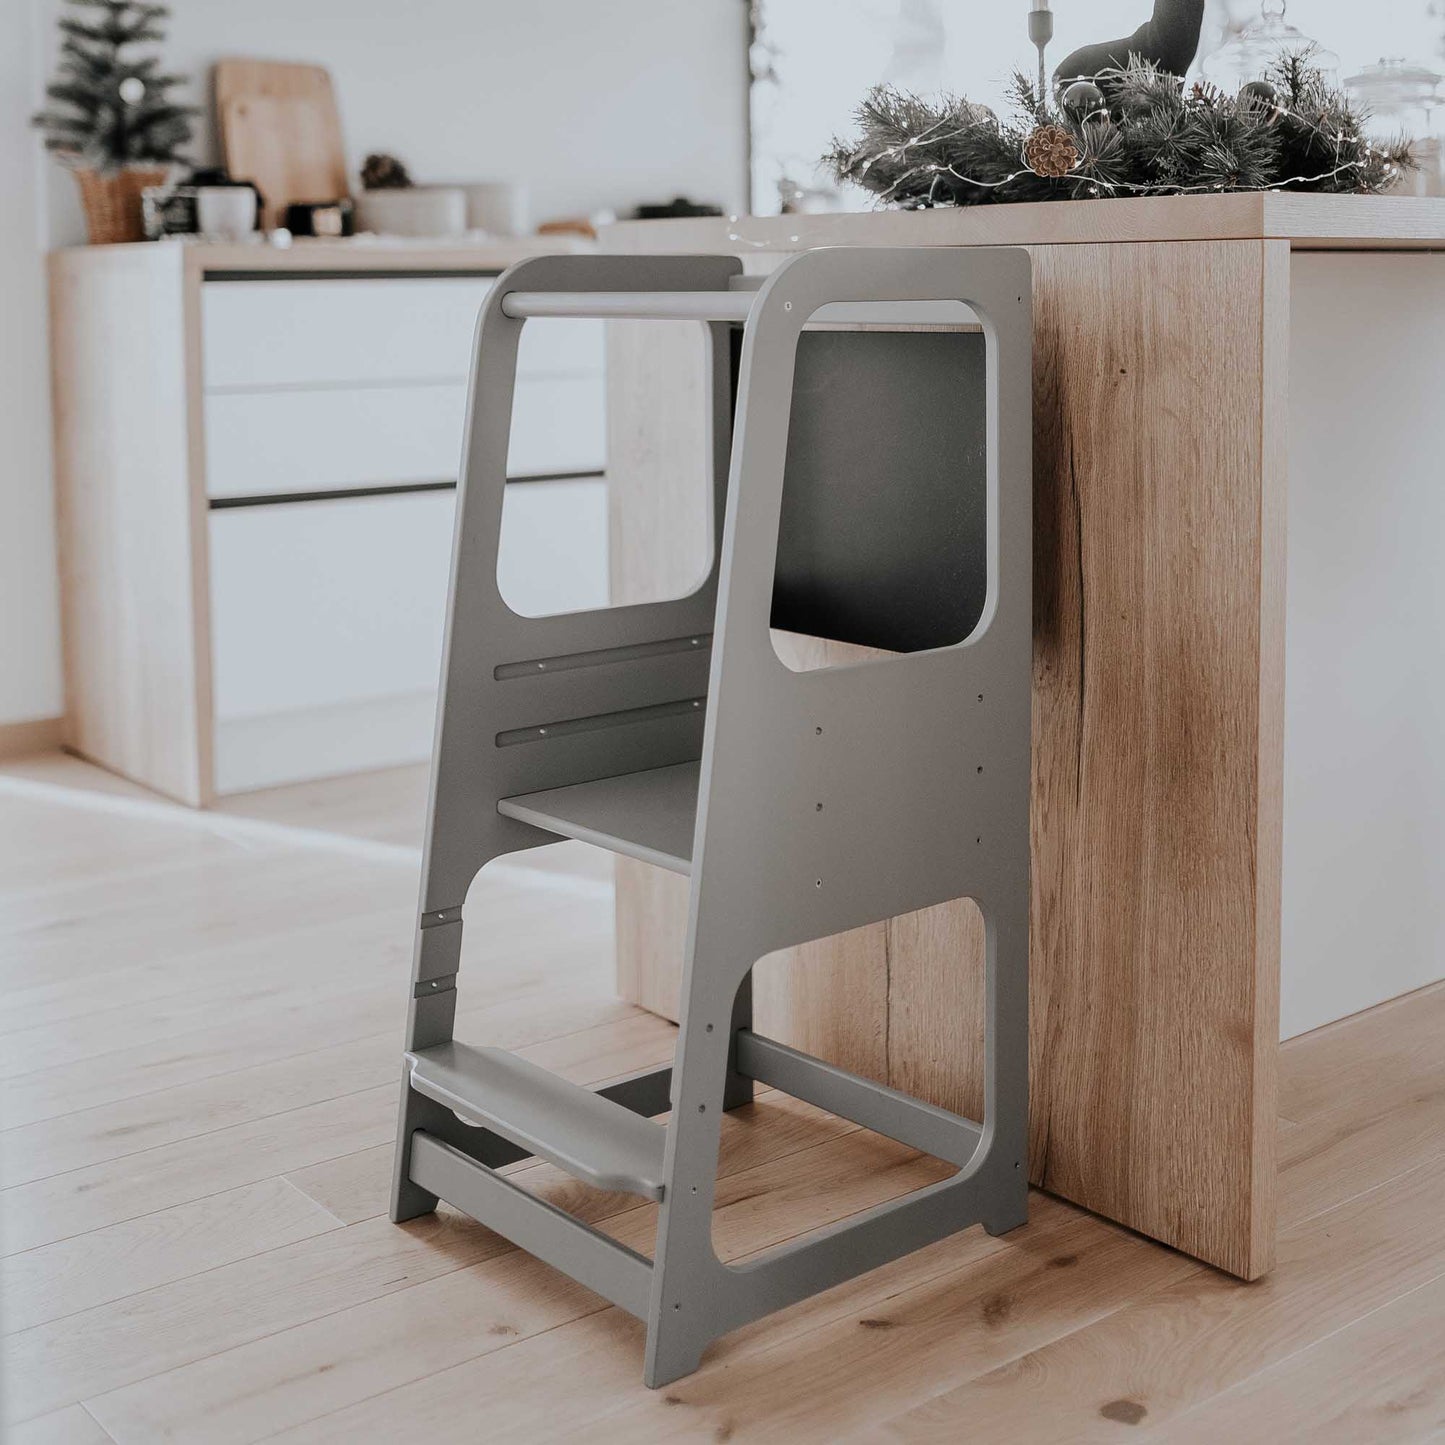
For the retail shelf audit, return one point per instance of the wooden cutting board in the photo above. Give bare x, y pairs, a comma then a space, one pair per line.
280, 128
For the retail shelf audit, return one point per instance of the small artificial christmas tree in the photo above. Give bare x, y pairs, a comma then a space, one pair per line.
113, 121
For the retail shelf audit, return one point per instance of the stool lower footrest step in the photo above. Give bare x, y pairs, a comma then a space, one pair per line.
591, 1137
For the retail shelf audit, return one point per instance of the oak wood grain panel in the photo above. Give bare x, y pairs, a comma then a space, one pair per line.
936, 1006
651, 935
1158, 621
660, 539
135, 686
1160, 471
828, 998
1308, 222
1269, 784
831, 997
659, 542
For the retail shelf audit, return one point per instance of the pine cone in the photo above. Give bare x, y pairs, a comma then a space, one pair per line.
384, 173
1050, 151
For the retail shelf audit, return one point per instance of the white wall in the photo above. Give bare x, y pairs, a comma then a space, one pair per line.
29, 618
592, 105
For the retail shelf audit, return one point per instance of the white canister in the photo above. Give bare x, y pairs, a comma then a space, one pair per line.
226, 213
413, 211
497, 207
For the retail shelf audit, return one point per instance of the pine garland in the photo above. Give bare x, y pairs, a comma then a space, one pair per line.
113, 110
1152, 136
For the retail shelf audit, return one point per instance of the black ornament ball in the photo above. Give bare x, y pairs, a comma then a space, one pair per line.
1259, 95
1083, 100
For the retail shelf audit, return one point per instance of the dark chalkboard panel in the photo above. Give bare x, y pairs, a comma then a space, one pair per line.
882, 540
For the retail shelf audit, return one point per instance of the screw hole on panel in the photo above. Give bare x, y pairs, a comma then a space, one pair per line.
980, 697
709, 1028
818, 883
702, 1108
978, 840
818, 731
818, 807
677, 1307
694, 1187
980, 767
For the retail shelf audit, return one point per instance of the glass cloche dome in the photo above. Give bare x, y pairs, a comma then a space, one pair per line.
1405, 99
1255, 48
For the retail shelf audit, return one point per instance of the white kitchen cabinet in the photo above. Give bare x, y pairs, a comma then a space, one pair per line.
331, 663
258, 518
327, 609
327, 602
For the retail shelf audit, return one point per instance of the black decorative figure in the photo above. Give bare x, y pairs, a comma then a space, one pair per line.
1169, 40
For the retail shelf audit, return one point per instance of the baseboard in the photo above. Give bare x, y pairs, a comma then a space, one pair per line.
323, 742
24, 739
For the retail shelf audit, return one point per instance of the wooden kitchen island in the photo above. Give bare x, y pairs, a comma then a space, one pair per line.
1193, 820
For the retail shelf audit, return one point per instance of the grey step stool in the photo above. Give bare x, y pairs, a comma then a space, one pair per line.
800, 804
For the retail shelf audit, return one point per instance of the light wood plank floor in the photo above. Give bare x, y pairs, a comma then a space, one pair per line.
201, 1026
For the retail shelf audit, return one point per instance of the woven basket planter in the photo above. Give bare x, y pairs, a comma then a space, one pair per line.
112, 202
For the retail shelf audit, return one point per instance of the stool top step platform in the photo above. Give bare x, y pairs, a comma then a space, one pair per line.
648, 815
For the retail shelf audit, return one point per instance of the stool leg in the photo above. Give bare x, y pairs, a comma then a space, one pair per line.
1007, 1077
683, 1319
738, 1089
431, 1020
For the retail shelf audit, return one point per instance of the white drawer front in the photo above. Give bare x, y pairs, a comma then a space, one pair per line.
553, 556
259, 443
318, 603
308, 333
262, 442
559, 424
330, 332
